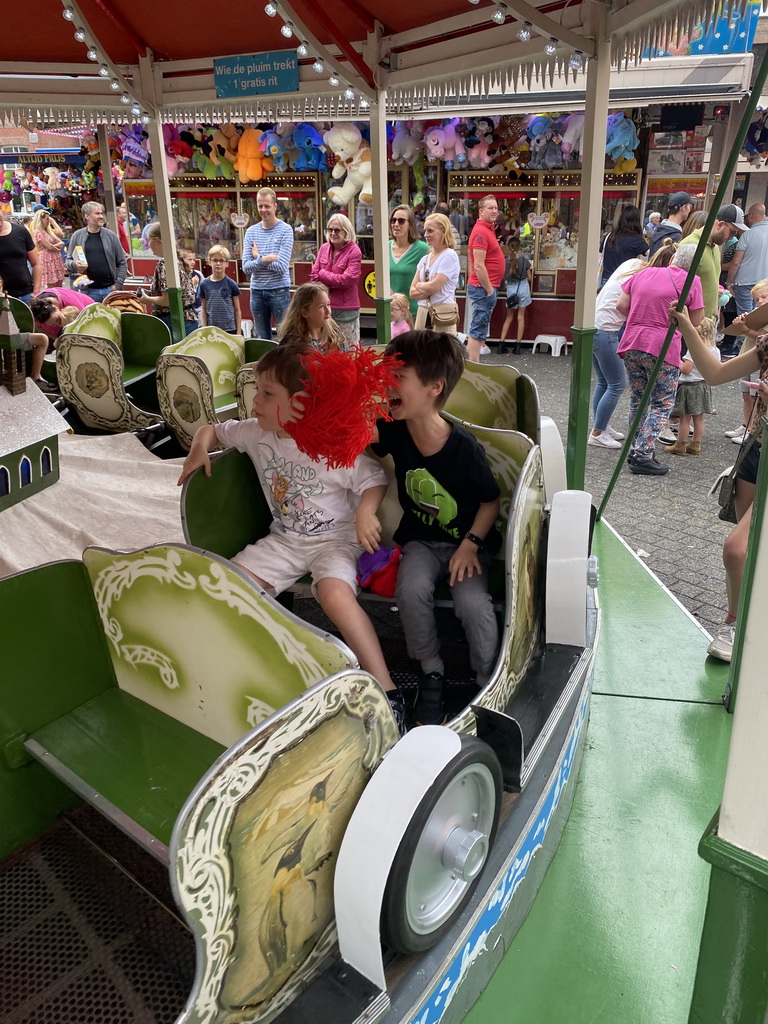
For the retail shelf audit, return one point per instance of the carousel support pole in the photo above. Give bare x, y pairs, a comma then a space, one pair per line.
380, 216
110, 202
590, 224
168, 234
731, 985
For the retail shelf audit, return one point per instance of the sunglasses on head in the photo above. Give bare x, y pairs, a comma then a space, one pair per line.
398, 220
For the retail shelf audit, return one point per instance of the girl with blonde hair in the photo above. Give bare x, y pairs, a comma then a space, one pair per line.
436, 277
308, 319
50, 246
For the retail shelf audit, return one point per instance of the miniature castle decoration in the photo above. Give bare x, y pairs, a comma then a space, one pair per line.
29, 424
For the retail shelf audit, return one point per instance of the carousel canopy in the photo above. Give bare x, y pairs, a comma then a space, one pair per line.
103, 60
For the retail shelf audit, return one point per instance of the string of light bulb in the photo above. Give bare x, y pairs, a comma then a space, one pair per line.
69, 13
525, 31
304, 51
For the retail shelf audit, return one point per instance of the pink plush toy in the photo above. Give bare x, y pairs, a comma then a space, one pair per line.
445, 144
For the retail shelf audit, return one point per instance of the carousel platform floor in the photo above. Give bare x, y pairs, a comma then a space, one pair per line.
614, 931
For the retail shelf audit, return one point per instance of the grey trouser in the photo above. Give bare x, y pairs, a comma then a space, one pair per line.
422, 567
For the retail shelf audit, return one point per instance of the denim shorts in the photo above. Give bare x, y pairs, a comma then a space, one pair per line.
483, 306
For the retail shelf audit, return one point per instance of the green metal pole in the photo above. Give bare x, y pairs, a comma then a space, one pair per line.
731, 985
733, 157
578, 406
176, 305
383, 320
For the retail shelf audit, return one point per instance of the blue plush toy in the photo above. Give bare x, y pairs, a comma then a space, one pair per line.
274, 146
308, 142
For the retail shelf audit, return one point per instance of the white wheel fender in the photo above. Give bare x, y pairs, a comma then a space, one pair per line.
567, 558
552, 458
373, 836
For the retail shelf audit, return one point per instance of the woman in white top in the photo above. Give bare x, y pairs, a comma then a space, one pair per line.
436, 277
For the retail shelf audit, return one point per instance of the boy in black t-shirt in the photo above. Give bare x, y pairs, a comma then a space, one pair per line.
450, 503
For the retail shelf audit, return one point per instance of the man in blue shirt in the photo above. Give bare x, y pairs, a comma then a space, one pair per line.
267, 249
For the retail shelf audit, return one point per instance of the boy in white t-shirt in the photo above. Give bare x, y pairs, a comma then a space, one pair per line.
321, 518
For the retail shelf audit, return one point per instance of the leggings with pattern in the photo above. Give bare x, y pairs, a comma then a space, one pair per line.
639, 366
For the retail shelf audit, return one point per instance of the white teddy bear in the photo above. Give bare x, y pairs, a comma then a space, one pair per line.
406, 145
354, 160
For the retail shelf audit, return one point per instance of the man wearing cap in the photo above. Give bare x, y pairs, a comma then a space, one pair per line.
729, 223
679, 207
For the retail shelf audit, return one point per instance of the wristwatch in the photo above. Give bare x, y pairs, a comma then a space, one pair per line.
475, 540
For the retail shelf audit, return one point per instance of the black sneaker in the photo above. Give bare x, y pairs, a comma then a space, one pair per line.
397, 704
429, 709
646, 467
503, 350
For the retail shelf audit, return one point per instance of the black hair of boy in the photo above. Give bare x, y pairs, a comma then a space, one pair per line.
42, 309
283, 363
434, 355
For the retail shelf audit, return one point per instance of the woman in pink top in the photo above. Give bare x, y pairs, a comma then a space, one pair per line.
338, 267
645, 300
47, 305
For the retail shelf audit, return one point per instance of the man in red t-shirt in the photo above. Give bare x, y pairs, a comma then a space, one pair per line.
122, 220
486, 261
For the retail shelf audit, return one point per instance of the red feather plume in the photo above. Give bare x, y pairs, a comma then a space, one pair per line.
347, 394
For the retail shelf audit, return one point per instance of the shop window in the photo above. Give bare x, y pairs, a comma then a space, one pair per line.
45, 461
25, 471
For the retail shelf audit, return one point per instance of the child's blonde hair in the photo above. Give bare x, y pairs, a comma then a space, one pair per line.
761, 286
706, 331
400, 300
219, 250
293, 327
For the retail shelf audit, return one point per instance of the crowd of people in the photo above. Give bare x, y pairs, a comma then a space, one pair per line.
642, 282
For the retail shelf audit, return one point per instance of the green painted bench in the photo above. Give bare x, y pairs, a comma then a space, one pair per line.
106, 364
132, 674
196, 381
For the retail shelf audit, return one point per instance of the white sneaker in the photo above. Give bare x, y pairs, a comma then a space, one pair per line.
615, 434
740, 438
667, 436
485, 351
737, 433
603, 440
722, 642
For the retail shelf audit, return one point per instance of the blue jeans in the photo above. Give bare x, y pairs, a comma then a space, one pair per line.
611, 378
483, 306
97, 294
189, 325
742, 294
26, 299
265, 304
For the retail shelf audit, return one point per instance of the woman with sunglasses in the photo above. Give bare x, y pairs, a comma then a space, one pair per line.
338, 267
436, 277
405, 251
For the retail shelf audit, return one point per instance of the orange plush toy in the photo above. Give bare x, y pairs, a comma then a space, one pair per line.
250, 162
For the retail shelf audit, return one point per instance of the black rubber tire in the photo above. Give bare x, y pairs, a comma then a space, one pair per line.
396, 930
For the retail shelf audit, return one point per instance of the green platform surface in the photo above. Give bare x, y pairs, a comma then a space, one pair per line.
614, 932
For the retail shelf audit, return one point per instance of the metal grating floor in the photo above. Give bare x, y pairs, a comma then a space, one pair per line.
81, 942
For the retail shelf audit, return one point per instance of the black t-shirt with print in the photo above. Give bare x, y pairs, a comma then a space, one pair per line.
441, 493
99, 270
13, 260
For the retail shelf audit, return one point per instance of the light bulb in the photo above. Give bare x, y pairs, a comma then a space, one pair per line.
349, 93
524, 32
334, 80
364, 103
125, 98
80, 35
136, 110
500, 14
302, 50
145, 118
474, 1
318, 66
287, 29
576, 60
551, 47
270, 10
114, 85
68, 14
92, 53
104, 71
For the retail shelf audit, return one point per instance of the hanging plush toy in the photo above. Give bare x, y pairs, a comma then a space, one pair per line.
405, 143
506, 133
445, 144
250, 162
353, 158
306, 144
621, 142
273, 146
571, 144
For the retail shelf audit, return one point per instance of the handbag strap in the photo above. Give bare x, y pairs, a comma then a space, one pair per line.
746, 438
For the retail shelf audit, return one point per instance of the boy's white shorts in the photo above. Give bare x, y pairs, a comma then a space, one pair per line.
281, 558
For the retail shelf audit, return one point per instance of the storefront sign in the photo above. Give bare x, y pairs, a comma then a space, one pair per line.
538, 220
240, 220
255, 74
42, 159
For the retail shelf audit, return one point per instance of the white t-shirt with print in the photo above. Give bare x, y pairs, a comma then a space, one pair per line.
447, 262
305, 497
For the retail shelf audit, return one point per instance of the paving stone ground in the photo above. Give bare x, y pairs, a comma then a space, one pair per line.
672, 518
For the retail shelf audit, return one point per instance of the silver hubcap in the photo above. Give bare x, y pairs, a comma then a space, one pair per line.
452, 849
